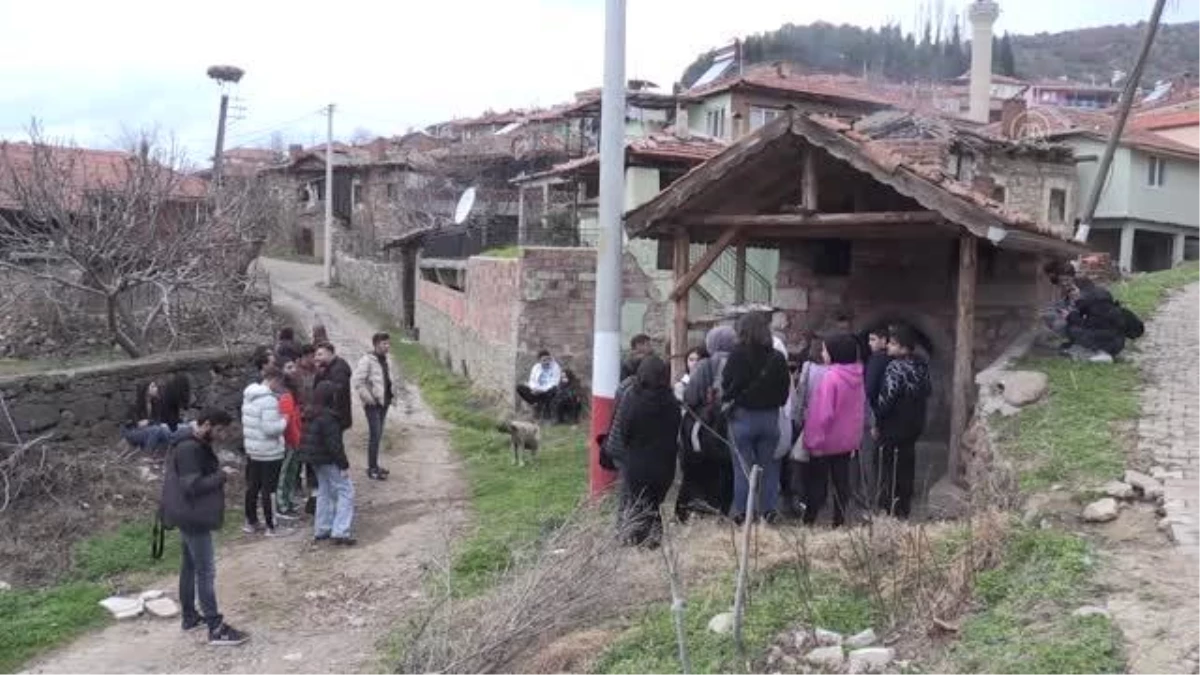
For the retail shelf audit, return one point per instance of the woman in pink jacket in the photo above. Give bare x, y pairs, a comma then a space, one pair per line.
833, 427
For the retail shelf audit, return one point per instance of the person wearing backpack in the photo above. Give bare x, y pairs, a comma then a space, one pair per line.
1096, 323
707, 484
193, 500
754, 386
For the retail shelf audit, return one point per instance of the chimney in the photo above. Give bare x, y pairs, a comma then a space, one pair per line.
1012, 118
982, 14
782, 70
681, 121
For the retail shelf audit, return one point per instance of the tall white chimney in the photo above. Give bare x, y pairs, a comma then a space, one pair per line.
982, 14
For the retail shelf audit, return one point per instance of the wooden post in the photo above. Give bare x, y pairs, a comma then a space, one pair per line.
808, 179
679, 331
521, 215
739, 275
964, 348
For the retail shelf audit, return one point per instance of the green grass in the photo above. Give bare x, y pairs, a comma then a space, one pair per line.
779, 600
1144, 292
514, 507
1026, 624
503, 252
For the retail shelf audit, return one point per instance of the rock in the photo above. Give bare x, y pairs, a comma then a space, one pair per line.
827, 638
1163, 473
828, 659
152, 594
774, 655
1100, 511
1091, 610
860, 640
146, 474
1149, 487
5, 586
163, 608
801, 639
1022, 387
123, 608
790, 662
721, 624
1035, 506
871, 660
1118, 490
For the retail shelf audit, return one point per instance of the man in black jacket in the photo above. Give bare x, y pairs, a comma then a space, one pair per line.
193, 499
900, 421
333, 368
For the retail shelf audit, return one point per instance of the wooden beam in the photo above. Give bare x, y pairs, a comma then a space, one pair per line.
684, 283
739, 274
679, 329
964, 351
808, 178
808, 219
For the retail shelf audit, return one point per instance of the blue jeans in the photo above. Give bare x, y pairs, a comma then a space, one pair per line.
376, 415
756, 435
154, 436
335, 502
197, 576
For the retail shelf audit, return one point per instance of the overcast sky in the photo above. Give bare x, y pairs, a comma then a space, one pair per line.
90, 70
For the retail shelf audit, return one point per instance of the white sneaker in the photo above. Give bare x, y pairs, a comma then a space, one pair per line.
1101, 357
249, 529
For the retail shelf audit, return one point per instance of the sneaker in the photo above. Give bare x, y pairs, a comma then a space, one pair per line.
226, 636
192, 622
1101, 357
249, 529
376, 474
290, 514
384, 472
344, 541
270, 533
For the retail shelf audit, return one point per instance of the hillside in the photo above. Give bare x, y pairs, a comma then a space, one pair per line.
1085, 54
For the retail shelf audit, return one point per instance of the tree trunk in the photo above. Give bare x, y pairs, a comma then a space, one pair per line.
131, 347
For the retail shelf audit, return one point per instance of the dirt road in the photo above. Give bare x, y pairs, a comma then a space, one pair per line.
312, 608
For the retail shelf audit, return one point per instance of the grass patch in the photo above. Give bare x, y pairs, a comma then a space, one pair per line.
513, 251
1026, 624
514, 507
777, 601
1144, 292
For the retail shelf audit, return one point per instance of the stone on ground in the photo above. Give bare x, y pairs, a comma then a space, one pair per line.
871, 660
1091, 610
1022, 387
1118, 490
827, 638
123, 608
1149, 487
721, 624
860, 640
163, 608
829, 659
1100, 511
151, 594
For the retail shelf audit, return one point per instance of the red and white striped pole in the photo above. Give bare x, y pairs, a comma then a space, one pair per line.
606, 341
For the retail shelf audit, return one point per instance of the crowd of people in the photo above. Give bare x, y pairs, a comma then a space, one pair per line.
840, 417
294, 416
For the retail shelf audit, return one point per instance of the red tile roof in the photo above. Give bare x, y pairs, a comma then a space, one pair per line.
661, 146
820, 85
81, 169
1169, 120
1055, 122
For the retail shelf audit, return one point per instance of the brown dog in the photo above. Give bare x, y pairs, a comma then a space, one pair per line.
525, 436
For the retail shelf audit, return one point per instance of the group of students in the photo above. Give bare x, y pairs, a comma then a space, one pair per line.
807, 423
294, 414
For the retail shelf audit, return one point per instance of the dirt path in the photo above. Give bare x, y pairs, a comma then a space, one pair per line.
312, 608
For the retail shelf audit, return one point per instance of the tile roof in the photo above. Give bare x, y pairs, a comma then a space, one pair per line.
821, 85
82, 169
1058, 122
1166, 120
665, 146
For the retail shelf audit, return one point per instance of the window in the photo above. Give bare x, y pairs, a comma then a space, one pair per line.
1058, 205
761, 116
831, 257
714, 123
999, 193
393, 191
1158, 172
357, 194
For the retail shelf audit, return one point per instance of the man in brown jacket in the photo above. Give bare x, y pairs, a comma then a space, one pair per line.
372, 383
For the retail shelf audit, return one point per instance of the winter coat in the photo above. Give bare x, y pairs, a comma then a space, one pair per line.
263, 424
193, 494
369, 382
873, 380
811, 374
288, 350
649, 436
290, 409
321, 441
833, 423
900, 409
755, 378
614, 439
338, 372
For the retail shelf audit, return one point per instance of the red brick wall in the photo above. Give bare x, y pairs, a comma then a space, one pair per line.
444, 299
491, 298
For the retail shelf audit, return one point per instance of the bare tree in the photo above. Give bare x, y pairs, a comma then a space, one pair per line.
132, 229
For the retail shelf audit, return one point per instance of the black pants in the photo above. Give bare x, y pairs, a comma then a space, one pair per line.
896, 463
540, 400
820, 472
706, 486
1097, 340
640, 518
262, 478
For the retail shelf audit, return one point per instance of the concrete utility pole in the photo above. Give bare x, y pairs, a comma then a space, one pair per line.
225, 76
606, 340
327, 256
1131, 85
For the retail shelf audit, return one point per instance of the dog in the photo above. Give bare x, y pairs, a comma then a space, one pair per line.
525, 436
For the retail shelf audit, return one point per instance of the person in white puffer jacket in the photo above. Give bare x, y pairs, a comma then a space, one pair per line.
262, 433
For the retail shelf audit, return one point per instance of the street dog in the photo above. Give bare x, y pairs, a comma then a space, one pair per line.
525, 437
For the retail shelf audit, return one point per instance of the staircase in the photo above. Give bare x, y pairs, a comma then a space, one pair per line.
719, 283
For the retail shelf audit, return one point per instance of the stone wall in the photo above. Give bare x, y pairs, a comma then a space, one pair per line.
90, 403
379, 283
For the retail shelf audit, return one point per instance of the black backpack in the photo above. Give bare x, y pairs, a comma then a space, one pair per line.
1134, 328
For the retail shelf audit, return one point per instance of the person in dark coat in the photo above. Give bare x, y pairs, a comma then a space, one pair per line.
1096, 322
286, 347
193, 500
333, 368
707, 484
646, 459
900, 421
567, 405
322, 448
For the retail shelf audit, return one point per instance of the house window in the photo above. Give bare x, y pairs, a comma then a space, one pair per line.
831, 257
1158, 172
761, 116
999, 193
393, 191
714, 121
356, 195
1057, 212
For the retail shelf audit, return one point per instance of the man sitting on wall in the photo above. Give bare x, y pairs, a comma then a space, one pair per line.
544, 379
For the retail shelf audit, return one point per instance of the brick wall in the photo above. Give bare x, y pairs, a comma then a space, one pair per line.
379, 283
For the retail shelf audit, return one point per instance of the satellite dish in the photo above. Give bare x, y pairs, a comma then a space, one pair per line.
465, 203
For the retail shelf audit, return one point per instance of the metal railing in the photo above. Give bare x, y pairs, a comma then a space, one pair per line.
724, 271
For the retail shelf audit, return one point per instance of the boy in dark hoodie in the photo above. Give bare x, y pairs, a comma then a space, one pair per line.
900, 420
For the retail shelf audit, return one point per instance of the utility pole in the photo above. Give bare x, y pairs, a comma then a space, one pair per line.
1131, 85
327, 257
217, 155
606, 339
